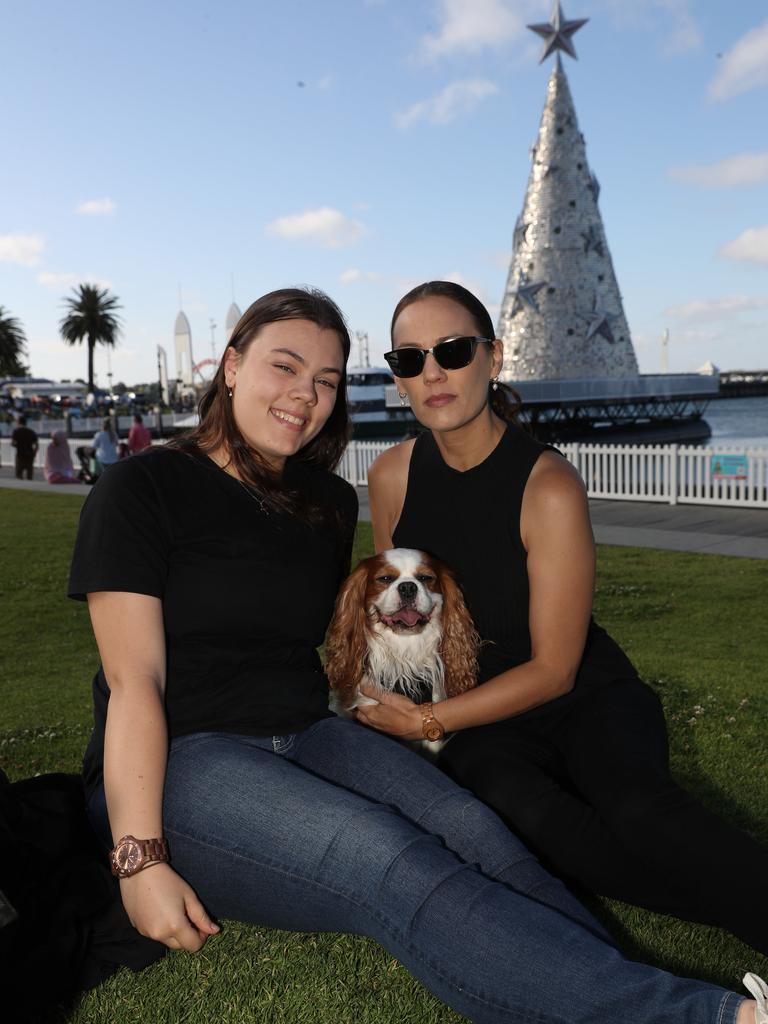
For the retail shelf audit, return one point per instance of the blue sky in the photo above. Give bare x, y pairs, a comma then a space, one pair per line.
148, 146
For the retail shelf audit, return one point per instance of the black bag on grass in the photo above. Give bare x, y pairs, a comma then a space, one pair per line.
63, 928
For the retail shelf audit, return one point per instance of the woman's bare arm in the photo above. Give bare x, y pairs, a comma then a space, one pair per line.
131, 641
557, 534
387, 484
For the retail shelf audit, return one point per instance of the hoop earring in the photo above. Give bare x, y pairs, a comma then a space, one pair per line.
495, 383
403, 398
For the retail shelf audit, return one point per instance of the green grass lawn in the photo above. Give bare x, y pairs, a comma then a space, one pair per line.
695, 625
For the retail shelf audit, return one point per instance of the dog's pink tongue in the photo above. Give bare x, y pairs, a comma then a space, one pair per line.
408, 616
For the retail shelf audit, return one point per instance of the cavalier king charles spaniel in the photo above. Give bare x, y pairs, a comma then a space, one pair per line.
400, 624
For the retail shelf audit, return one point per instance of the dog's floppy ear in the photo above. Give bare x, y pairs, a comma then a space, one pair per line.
346, 646
460, 642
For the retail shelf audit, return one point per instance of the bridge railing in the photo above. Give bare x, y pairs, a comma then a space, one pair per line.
674, 474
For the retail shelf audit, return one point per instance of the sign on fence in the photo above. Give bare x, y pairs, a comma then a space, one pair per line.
728, 467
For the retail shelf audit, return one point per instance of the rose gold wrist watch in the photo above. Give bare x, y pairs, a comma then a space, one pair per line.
430, 727
130, 855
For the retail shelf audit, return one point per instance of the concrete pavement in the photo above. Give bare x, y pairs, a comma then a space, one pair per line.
708, 529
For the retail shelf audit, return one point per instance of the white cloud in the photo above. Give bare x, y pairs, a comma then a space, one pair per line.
22, 249
745, 169
469, 26
96, 207
716, 309
354, 274
751, 246
673, 18
325, 226
57, 282
685, 33
457, 98
744, 66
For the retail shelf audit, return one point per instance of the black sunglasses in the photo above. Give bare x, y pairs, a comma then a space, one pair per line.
451, 354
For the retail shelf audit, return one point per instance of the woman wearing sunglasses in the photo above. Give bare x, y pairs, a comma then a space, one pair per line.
215, 770
562, 739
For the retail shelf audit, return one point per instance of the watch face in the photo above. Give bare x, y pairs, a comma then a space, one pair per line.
128, 856
434, 732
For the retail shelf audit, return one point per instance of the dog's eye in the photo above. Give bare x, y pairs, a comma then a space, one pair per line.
425, 578
385, 579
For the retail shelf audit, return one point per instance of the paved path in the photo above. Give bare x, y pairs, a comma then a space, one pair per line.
710, 529
7, 479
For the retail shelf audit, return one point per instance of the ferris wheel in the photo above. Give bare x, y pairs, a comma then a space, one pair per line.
204, 370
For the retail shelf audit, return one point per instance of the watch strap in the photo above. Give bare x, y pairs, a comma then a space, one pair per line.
431, 729
151, 851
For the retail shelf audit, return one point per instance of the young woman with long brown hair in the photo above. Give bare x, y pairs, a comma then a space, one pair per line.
216, 771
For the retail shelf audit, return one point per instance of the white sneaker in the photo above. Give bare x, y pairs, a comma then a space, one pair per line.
758, 989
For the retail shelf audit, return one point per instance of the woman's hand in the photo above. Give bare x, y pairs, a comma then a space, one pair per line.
394, 714
162, 906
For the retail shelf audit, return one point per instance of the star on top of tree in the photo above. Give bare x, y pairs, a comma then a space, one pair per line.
557, 33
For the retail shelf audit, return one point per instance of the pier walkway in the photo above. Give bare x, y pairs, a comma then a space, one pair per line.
706, 529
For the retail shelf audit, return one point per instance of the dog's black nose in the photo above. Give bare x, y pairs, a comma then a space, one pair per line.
407, 591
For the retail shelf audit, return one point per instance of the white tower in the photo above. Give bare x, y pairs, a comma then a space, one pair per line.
182, 341
162, 372
233, 315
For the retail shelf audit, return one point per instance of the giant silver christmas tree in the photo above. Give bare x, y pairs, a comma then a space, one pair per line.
562, 316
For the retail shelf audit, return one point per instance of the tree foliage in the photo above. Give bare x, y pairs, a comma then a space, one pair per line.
91, 317
12, 346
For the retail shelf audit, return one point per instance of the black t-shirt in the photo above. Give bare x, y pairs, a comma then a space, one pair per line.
25, 441
247, 596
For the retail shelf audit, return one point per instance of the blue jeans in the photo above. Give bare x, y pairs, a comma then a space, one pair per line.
341, 829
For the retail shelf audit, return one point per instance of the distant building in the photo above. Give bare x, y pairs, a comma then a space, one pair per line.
41, 387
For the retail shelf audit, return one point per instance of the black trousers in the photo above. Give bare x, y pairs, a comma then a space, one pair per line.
25, 466
589, 790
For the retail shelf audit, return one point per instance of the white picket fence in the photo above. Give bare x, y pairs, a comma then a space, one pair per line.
675, 474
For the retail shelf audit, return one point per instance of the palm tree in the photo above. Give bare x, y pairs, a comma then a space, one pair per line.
12, 346
92, 315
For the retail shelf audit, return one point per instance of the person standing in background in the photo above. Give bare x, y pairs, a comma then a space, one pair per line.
105, 446
139, 436
24, 440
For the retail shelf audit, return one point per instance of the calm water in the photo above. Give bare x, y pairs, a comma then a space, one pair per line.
742, 422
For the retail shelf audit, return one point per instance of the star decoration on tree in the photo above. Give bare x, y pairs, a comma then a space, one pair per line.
521, 231
592, 240
557, 33
600, 322
525, 294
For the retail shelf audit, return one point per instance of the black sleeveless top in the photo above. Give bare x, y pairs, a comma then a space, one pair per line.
471, 521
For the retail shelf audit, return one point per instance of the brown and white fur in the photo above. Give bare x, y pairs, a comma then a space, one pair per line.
400, 623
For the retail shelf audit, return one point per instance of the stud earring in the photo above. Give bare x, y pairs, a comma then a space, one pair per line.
403, 398
495, 383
